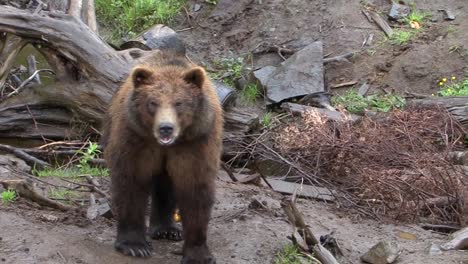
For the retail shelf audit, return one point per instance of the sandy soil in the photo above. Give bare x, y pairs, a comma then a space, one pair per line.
238, 234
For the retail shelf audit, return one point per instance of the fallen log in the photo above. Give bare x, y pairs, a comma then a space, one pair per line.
30, 160
457, 106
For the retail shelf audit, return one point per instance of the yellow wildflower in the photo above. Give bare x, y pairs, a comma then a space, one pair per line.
454, 78
449, 90
444, 79
432, 94
441, 83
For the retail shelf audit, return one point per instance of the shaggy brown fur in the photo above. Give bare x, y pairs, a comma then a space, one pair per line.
178, 166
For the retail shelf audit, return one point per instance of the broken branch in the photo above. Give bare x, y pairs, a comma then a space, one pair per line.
296, 219
27, 191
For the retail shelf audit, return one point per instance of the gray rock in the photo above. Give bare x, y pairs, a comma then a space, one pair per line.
99, 210
448, 14
263, 75
383, 252
434, 250
157, 37
459, 241
300, 75
196, 7
49, 218
398, 11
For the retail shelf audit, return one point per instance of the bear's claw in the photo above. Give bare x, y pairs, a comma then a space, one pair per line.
134, 249
169, 232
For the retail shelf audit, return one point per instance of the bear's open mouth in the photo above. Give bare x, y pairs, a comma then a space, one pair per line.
166, 140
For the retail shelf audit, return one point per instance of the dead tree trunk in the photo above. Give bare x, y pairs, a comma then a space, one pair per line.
87, 72
457, 106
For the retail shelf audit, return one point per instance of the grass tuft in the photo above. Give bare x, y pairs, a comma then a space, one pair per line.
355, 103
72, 172
291, 255
8, 196
267, 120
401, 36
129, 17
250, 93
417, 16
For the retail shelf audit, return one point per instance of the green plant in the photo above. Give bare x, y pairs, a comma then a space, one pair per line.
8, 196
230, 69
417, 16
83, 167
267, 119
355, 103
250, 93
290, 254
385, 103
402, 36
453, 87
352, 101
89, 154
128, 17
211, 2
72, 172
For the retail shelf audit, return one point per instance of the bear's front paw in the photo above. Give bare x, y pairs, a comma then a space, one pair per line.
198, 255
170, 232
134, 248
203, 260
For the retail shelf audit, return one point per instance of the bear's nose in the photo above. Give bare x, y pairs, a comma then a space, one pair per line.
166, 129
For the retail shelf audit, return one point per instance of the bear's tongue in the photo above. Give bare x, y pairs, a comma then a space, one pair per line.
166, 140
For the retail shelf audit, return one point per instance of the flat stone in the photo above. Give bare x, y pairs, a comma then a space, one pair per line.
399, 11
263, 75
157, 37
383, 252
301, 74
99, 210
301, 190
196, 7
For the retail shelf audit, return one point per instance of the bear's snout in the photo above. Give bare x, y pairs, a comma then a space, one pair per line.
166, 129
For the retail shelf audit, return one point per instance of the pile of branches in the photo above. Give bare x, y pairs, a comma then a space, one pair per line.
396, 166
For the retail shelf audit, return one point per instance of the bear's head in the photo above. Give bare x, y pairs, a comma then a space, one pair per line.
165, 102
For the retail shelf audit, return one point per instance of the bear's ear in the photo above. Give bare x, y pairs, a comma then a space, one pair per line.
141, 76
195, 76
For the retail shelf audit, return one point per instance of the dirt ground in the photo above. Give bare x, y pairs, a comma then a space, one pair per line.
247, 26
238, 234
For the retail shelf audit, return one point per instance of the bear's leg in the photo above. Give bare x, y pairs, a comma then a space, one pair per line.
195, 207
194, 186
130, 198
162, 225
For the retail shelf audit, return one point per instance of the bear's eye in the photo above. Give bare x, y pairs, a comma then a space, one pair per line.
152, 106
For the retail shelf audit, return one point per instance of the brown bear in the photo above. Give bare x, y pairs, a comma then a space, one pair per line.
163, 136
